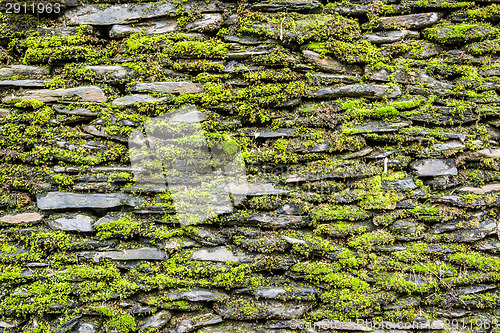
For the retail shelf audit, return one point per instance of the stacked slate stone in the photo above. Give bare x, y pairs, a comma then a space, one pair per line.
370, 135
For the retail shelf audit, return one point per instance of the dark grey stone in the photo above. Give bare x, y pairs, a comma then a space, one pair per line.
391, 36
435, 167
206, 23
167, 87
359, 90
221, 254
23, 70
412, 21
144, 253
117, 14
65, 200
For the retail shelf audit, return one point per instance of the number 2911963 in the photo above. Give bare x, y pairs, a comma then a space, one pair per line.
31, 8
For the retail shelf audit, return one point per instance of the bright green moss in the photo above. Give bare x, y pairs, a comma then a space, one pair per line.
300, 28
123, 228
450, 33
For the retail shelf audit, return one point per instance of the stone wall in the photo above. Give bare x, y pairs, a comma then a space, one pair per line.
369, 130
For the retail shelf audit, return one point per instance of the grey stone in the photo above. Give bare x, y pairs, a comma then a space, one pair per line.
144, 253
359, 90
189, 117
288, 6
167, 87
207, 23
75, 112
281, 293
137, 98
326, 63
391, 36
65, 200
149, 28
435, 167
80, 223
432, 82
195, 295
81, 94
447, 146
255, 189
489, 188
378, 127
21, 218
474, 289
112, 73
279, 133
275, 221
23, 83
117, 14
157, 321
221, 254
86, 328
412, 21
404, 184
4, 113
23, 70
188, 325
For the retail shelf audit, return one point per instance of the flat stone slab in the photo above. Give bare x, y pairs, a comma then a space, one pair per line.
23, 83
81, 94
137, 98
435, 167
144, 253
80, 223
21, 218
359, 90
112, 72
481, 190
23, 70
412, 21
222, 254
167, 87
254, 189
195, 295
149, 28
117, 14
65, 200
325, 63
206, 23
391, 36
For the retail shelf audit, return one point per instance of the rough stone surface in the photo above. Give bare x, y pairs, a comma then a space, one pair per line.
83, 94
21, 218
80, 223
62, 200
144, 253
149, 28
413, 21
435, 167
117, 14
167, 87
359, 90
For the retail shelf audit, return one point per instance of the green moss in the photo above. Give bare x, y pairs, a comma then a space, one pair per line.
449, 33
338, 212
123, 228
366, 241
300, 28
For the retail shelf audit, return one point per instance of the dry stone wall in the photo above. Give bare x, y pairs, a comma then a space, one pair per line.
369, 130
